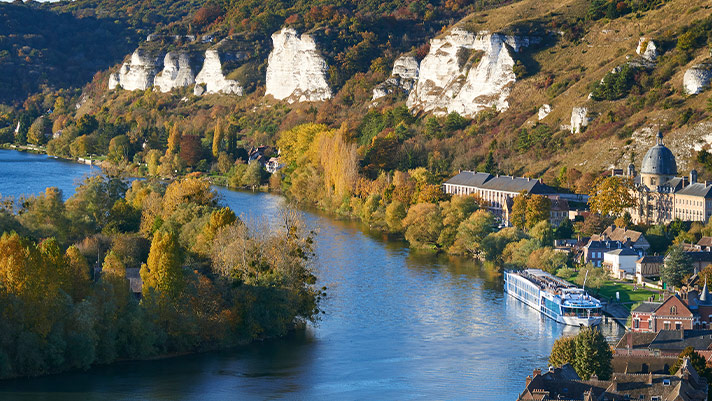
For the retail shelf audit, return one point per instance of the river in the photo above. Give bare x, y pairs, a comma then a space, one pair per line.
397, 325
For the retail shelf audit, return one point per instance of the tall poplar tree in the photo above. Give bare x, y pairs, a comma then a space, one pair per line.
217, 138
163, 272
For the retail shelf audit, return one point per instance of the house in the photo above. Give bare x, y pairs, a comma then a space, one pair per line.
135, 282
559, 210
648, 267
705, 244
594, 250
273, 165
564, 384
664, 344
632, 238
620, 263
700, 259
686, 310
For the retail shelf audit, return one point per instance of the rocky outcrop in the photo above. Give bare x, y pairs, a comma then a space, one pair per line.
137, 74
177, 72
647, 49
697, 78
403, 77
544, 111
296, 70
579, 119
466, 72
212, 79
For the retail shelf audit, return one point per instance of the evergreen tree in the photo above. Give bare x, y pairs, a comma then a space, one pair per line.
677, 266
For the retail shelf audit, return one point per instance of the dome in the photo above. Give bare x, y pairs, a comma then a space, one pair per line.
659, 160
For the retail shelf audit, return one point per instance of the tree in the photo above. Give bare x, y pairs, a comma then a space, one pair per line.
423, 225
547, 259
543, 233
119, 147
173, 140
39, 130
254, 175
488, 165
113, 267
473, 230
163, 272
217, 138
594, 277
593, 354
518, 217
677, 266
190, 150
454, 212
563, 351
611, 195
79, 283
395, 213
697, 361
538, 209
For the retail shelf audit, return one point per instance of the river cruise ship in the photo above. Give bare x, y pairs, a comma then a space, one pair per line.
553, 297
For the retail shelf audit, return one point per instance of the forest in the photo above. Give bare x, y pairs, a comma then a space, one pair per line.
70, 293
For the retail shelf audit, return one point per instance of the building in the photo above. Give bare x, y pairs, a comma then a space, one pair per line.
620, 263
660, 196
632, 238
564, 384
648, 267
684, 311
664, 344
593, 252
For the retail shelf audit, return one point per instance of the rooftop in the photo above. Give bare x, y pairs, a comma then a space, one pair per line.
500, 183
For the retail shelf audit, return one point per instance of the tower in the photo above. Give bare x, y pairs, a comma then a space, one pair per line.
658, 165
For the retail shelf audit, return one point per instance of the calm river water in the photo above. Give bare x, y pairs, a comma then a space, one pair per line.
398, 325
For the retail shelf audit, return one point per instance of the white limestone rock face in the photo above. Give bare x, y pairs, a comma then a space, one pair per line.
177, 72
211, 76
697, 78
138, 73
446, 83
579, 119
544, 111
296, 71
403, 77
647, 49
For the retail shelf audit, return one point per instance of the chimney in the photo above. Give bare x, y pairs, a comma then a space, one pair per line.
650, 378
537, 372
528, 381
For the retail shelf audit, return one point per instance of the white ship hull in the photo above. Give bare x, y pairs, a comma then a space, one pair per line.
553, 297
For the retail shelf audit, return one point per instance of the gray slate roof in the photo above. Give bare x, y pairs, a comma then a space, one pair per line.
671, 339
697, 189
500, 183
647, 307
623, 252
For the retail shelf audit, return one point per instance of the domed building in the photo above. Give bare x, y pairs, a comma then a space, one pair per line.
661, 196
658, 166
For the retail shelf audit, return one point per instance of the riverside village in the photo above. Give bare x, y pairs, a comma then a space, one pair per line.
659, 291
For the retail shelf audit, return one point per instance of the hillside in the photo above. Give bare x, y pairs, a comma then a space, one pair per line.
571, 54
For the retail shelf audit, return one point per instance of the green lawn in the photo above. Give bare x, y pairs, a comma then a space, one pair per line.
628, 296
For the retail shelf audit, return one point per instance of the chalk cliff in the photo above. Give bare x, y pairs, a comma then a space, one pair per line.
403, 77
296, 71
212, 79
697, 78
466, 72
137, 74
177, 72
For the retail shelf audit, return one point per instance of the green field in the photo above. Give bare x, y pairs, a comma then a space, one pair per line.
628, 296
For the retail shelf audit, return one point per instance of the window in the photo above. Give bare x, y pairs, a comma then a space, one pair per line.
673, 310
636, 323
666, 325
678, 325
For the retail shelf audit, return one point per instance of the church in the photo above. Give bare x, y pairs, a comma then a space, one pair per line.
660, 196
